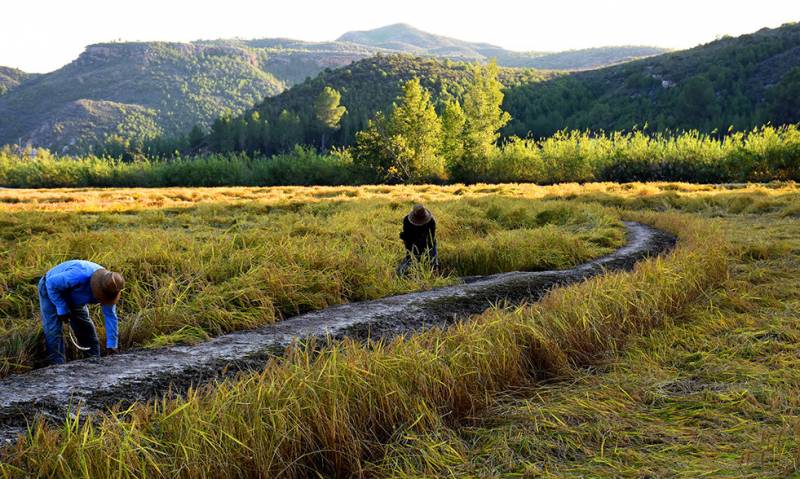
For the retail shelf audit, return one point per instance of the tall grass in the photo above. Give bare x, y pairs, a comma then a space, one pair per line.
303, 166
763, 154
210, 268
331, 411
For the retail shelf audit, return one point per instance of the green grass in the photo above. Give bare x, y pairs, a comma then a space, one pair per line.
212, 268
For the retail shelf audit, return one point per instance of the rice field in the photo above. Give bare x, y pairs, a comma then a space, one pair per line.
685, 367
204, 263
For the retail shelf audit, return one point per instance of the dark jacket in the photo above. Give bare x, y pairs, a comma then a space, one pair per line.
419, 239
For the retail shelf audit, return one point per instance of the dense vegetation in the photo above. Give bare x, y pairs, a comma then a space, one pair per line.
206, 267
365, 87
686, 366
762, 154
177, 84
691, 116
728, 85
190, 97
156, 89
732, 82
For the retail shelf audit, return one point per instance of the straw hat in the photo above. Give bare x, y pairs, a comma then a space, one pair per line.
419, 215
107, 286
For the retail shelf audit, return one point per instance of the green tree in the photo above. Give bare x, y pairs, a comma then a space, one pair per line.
196, 137
380, 153
287, 132
786, 98
257, 134
328, 112
453, 123
406, 146
414, 118
698, 100
221, 137
484, 119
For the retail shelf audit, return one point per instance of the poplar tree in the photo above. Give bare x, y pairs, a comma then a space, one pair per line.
453, 123
328, 112
414, 118
485, 117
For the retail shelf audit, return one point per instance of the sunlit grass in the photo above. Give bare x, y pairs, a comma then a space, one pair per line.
685, 366
211, 267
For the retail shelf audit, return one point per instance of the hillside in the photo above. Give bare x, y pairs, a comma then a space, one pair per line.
370, 85
11, 78
151, 89
407, 39
744, 81
140, 91
155, 89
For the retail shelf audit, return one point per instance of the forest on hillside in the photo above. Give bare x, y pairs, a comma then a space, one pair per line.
733, 84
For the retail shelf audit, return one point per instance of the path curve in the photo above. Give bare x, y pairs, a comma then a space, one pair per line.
144, 374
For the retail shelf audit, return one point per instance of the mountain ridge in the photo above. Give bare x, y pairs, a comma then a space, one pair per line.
740, 82
11, 78
406, 38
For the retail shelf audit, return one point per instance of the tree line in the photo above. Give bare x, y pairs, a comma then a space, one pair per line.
763, 154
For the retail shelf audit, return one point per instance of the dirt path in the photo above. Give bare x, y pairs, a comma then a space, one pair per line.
144, 374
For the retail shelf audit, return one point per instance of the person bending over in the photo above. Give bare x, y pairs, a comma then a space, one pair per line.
419, 237
64, 295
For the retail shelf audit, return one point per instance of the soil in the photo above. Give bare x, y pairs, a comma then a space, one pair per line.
141, 375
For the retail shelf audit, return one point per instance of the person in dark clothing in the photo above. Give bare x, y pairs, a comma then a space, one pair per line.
419, 237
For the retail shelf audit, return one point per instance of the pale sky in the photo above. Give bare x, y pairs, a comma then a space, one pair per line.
43, 35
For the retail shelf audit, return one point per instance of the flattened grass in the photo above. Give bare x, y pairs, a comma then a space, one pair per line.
214, 267
334, 411
715, 394
685, 367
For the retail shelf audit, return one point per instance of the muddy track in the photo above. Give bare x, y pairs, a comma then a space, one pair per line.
145, 374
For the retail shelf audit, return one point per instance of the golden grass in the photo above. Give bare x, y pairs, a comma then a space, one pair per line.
594, 370
110, 199
714, 393
333, 411
198, 271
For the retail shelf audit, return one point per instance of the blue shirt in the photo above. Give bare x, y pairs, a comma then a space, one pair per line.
69, 284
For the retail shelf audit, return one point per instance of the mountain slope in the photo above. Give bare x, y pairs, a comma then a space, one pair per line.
407, 39
173, 85
140, 91
11, 78
740, 82
404, 38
